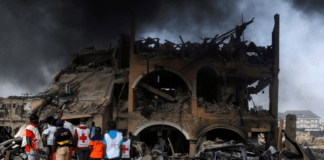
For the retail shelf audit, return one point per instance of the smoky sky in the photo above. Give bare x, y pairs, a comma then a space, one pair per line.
309, 7
37, 37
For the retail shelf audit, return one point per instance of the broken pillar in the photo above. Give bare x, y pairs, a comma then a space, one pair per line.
193, 145
290, 131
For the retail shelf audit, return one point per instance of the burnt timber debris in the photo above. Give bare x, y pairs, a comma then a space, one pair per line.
181, 101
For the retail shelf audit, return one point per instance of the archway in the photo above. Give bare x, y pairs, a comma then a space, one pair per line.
162, 123
162, 90
139, 78
208, 85
223, 132
159, 135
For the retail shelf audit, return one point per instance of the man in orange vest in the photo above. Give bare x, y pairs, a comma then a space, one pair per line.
82, 136
97, 145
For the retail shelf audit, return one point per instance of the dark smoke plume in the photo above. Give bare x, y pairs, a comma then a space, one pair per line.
309, 7
38, 36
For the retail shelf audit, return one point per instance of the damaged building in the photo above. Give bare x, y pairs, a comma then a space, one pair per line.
12, 115
166, 93
200, 91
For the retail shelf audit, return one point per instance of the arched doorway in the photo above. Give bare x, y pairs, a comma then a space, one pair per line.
163, 90
226, 133
159, 135
208, 85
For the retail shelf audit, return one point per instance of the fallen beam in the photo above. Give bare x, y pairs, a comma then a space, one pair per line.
53, 112
280, 134
171, 146
156, 91
299, 148
76, 117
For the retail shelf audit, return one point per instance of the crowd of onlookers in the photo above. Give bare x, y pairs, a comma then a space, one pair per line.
60, 140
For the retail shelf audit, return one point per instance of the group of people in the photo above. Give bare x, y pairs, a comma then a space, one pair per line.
60, 140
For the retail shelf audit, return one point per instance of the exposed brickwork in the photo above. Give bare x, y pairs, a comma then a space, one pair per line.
195, 122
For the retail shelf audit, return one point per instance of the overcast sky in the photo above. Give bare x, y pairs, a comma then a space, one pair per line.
37, 38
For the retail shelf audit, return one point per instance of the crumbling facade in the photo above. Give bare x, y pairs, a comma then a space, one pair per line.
203, 87
183, 94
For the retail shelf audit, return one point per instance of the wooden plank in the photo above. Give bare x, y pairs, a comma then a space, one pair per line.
76, 117
260, 130
171, 147
39, 110
280, 135
53, 112
8, 155
156, 91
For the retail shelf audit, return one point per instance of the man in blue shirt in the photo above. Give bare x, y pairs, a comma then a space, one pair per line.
61, 142
113, 142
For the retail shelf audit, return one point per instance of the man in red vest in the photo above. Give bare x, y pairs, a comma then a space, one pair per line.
32, 140
82, 135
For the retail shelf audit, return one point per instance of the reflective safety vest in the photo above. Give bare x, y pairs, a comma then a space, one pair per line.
126, 149
83, 137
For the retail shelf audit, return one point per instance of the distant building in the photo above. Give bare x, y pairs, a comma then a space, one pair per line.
306, 119
12, 111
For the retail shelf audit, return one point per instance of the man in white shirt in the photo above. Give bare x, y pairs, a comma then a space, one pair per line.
48, 135
113, 142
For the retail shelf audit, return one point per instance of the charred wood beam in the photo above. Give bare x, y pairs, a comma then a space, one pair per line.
156, 91
299, 148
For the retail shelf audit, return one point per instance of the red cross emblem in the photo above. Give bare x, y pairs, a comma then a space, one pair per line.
124, 149
83, 138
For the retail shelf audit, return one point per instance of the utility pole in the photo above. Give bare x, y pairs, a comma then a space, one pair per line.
243, 30
26, 94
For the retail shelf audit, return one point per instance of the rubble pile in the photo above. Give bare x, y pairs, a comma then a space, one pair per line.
81, 92
304, 138
215, 108
13, 148
159, 103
